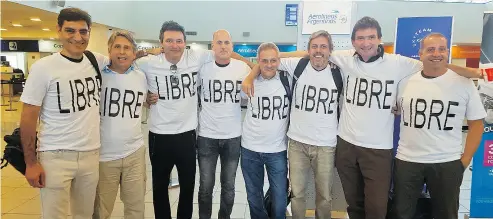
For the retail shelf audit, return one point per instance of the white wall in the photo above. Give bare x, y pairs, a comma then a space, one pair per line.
263, 19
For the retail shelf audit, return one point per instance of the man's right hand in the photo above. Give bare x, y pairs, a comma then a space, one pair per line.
35, 175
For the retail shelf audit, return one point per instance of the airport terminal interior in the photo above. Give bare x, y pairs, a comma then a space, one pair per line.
28, 33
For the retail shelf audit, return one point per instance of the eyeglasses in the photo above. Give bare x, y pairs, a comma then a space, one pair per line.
174, 77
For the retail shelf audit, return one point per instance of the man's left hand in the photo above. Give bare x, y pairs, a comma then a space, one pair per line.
151, 98
465, 161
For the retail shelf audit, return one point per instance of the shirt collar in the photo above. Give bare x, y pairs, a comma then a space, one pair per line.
107, 70
380, 52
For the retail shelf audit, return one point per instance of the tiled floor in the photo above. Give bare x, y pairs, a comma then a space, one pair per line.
20, 201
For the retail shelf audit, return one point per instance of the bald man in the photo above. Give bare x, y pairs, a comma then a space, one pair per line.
219, 124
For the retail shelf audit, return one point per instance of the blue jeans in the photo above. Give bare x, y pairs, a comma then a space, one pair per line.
252, 166
208, 151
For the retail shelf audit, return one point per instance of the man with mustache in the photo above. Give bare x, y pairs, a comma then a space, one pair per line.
219, 127
364, 146
313, 125
434, 103
63, 92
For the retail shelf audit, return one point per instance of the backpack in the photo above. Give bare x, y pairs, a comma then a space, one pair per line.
13, 153
336, 75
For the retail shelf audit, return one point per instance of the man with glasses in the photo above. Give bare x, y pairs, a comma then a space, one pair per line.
173, 76
63, 92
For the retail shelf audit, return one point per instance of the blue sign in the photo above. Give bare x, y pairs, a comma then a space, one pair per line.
409, 33
251, 50
482, 177
291, 18
411, 30
482, 166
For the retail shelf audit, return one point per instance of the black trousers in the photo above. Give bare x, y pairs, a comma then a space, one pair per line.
443, 181
365, 176
166, 151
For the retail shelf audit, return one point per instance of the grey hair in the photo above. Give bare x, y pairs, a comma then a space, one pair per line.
433, 34
322, 33
266, 46
125, 34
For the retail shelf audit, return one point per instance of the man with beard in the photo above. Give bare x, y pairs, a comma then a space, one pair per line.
364, 147
313, 124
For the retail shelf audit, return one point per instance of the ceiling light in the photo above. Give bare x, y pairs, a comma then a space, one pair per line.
16, 25
46, 29
244, 44
3, 29
51, 38
194, 43
35, 19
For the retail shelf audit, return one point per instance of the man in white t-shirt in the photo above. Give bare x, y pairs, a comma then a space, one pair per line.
364, 151
219, 128
63, 92
313, 125
122, 155
433, 105
264, 140
173, 76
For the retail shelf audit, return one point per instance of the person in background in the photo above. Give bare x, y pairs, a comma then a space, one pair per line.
264, 140
219, 127
63, 92
434, 103
122, 155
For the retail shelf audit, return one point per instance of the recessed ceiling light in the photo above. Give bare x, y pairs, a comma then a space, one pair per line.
51, 38
3, 29
16, 25
46, 29
35, 19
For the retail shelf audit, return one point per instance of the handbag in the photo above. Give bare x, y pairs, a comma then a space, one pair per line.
13, 153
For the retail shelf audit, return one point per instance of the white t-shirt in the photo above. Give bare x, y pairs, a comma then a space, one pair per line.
122, 98
369, 94
176, 110
220, 115
69, 96
267, 116
432, 114
314, 108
